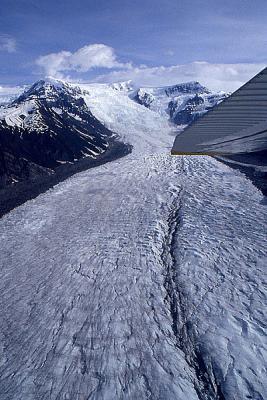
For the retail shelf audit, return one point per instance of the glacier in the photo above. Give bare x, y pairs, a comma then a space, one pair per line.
140, 279
50, 123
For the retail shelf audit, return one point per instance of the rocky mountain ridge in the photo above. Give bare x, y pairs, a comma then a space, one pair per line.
182, 103
45, 127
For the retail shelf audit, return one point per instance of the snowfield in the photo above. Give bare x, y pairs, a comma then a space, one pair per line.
140, 279
146, 130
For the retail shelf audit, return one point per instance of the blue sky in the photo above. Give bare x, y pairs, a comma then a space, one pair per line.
153, 42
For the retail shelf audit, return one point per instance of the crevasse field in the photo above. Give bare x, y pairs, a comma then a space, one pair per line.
140, 279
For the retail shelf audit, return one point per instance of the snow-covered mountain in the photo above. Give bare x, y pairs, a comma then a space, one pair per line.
183, 103
46, 126
126, 86
54, 122
133, 122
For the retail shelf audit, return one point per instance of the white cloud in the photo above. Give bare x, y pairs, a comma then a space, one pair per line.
10, 90
7, 43
84, 59
7, 93
226, 77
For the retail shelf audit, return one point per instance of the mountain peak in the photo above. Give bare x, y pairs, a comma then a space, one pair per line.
45, 88
48, 82
186, 87
125, 86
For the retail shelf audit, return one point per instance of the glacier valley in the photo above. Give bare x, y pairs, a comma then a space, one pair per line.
143, 278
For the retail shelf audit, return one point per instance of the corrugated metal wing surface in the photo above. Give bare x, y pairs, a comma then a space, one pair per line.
236, 125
